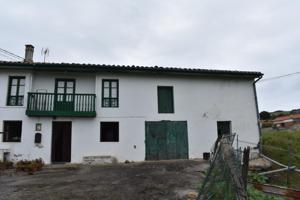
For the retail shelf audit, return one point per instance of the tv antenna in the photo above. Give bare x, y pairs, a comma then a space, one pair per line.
45, 53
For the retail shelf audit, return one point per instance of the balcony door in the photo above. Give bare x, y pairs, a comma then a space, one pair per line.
64, 95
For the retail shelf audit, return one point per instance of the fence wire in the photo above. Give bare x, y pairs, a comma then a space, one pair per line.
224, 177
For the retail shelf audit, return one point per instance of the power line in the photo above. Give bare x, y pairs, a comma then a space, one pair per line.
5, 56
277, 77
12, 55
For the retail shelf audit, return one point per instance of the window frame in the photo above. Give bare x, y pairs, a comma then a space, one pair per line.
17, 96
5, 132
110, 98
158, 100
64, 95
101, 131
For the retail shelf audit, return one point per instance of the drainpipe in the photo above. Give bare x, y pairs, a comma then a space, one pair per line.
257, 113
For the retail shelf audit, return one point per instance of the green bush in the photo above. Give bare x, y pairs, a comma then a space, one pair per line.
257, 178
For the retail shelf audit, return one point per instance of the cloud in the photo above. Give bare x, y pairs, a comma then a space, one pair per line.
261, 35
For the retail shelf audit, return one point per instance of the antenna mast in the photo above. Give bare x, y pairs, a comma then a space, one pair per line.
45, 53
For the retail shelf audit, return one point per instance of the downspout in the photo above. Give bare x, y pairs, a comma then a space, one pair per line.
257, 113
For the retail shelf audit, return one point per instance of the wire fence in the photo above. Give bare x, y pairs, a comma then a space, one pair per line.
285, 169
224, 178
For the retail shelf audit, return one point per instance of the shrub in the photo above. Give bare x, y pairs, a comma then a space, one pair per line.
257, 178
6, 165
30, 166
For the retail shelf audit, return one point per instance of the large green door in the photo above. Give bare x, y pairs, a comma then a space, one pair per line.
181, 140
155, 141
166, 140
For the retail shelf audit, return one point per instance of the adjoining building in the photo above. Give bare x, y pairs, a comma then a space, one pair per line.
67, 112
286, 121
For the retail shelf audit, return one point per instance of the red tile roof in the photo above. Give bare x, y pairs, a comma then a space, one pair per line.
118, 68
282, 118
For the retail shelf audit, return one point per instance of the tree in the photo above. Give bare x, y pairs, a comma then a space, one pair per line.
264, 115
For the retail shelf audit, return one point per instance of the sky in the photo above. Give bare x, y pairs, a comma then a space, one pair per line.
233, 34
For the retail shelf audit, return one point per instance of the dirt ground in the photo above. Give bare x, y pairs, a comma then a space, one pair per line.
133, 181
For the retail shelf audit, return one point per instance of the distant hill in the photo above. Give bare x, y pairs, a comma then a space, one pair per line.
279, 113
295, 111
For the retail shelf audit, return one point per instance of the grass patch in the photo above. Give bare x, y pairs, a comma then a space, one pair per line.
276, 145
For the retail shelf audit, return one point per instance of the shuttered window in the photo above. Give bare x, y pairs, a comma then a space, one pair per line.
165, 99
16, 87
110, 93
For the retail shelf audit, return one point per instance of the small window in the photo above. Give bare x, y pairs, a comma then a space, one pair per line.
16, 89
109, 132
165, 99
12, 131
110, 93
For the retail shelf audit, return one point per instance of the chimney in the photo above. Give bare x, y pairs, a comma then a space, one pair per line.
29, 53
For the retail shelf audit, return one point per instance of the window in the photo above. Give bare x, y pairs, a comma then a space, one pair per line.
65, 88
12, 131
16, 86
109, 132
165, 99
110, 93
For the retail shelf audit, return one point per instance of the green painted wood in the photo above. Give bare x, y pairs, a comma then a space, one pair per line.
15, 97
166, 140
44, 104
182, 140
171, 140
64, 99
155, 141
165, 99
110, 98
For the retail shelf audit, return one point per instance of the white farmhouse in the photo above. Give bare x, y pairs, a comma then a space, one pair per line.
65, 112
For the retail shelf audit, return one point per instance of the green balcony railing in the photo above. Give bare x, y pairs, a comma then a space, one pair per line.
53, 104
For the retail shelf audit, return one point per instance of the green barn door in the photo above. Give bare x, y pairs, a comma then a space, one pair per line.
181, 140
166, 140
155, 141
64, 95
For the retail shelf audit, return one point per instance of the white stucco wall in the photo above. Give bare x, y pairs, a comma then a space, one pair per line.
199, 101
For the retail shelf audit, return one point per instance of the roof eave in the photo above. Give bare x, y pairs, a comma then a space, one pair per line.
74, 67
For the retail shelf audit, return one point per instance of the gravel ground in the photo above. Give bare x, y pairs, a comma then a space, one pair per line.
134, 181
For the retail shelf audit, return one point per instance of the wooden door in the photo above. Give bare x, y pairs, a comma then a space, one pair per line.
177, 142
64, 95
61, 142
166, 140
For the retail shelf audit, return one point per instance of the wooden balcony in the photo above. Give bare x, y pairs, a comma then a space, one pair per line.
56, 105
